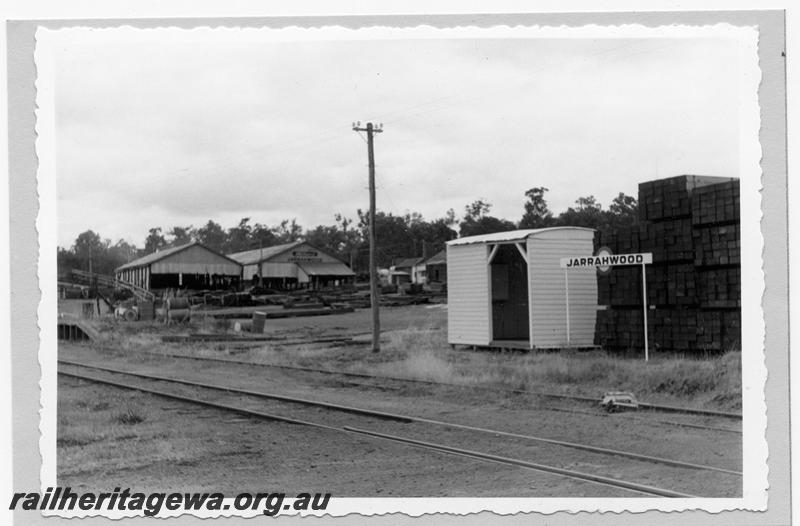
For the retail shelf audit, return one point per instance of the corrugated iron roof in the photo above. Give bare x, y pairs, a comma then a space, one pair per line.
407, 262
161, 254
440, 258
511, 236
326, 269
252, 257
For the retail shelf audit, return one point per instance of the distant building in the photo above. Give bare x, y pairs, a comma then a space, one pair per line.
190, 266
291, 266
436, 268
408, 270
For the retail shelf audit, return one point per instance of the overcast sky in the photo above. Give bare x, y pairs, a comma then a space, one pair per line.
164, 134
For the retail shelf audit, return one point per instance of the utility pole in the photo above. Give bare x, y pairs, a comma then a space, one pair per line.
373, 268
260, 262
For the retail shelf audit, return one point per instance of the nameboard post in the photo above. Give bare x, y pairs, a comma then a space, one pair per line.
606, 259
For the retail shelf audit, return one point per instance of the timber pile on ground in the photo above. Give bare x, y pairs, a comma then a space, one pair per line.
691, 225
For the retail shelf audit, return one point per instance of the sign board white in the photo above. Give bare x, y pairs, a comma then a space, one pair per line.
604, 260
607, 260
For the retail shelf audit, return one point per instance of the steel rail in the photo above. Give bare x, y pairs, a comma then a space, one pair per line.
259, 394
645, 420
475, 455
532, 465
408, 418
653, 407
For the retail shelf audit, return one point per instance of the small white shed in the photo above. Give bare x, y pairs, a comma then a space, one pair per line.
508, 289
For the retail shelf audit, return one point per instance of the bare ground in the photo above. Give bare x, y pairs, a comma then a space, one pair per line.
176, 446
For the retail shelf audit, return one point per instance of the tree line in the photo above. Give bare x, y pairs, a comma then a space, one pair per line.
399, 236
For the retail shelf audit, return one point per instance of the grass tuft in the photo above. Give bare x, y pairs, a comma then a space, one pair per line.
131, 415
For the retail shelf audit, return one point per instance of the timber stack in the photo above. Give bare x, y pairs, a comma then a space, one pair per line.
691, 225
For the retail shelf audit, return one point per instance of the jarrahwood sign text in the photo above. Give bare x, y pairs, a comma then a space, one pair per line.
609, 260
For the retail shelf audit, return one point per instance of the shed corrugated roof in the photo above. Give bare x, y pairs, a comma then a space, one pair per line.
440, 258
510, 236
161, 254
407, 262
326, 269
252, 257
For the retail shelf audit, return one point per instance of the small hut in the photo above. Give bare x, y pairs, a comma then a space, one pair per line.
508, 289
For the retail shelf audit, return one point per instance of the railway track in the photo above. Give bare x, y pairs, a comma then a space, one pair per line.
322, 411
582, 399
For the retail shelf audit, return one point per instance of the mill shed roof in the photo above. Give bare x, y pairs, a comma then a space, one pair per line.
251, 257
167, 252
326, 269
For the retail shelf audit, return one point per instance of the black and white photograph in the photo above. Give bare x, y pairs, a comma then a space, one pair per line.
446, 268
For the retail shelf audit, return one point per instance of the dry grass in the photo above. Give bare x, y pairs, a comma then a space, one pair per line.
130, 435
422, 352
425, 355
131, 414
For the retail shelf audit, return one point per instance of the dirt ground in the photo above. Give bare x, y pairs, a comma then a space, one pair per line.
108, 436
179, 447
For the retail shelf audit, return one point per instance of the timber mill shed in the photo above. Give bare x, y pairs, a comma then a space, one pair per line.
508, 289
189, 266
293, 265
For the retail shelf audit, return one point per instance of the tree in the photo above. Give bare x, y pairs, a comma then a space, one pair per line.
392, 235
623, 211
89, 249
430, 236
288, 231
589, 213
624, 205
180, 235
91, 252
537, 214
212, 235
486, 225
122, 252
450, 219
477, 209
330, 239
262, 235
66, 261
477, 221
588, 204
155, 241
239, 237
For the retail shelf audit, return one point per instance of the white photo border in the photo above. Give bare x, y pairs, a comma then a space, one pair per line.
755, 450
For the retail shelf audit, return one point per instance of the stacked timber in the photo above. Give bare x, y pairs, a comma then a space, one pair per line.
691, 225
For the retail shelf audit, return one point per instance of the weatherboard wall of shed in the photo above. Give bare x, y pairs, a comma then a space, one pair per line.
468, 303
271, 270
548, 289
303, 252
195, 260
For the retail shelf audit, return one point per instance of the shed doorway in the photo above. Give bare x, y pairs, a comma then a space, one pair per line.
509, 274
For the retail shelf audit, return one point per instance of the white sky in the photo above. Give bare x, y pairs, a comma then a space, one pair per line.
162, 133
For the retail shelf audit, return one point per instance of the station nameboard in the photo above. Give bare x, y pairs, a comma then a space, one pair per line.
305, 256
607, 260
